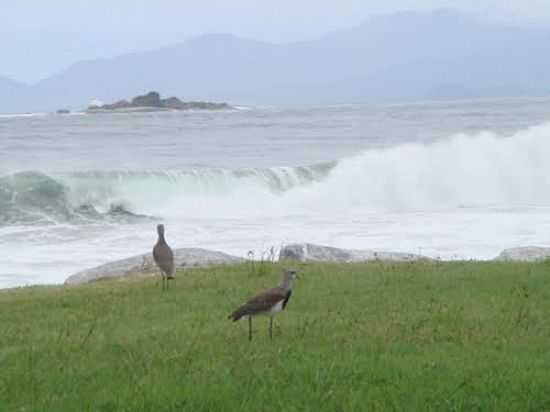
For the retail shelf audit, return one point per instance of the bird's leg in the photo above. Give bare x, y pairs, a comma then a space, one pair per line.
271, 327
250, 328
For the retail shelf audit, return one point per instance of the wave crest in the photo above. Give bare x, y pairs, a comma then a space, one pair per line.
466, 170
34, 197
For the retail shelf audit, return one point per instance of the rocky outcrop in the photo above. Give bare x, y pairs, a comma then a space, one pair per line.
524, 254
153, 102
121, 104
143, 265
151, 99
307, 252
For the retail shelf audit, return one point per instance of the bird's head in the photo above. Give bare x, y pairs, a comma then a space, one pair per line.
292, 274
289, 276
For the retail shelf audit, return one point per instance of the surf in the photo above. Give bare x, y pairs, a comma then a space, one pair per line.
465, 170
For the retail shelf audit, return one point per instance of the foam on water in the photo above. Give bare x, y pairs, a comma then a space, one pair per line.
16, 115
462, 171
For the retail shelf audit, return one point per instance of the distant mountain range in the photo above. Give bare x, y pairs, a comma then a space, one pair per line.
407, 56
11, 94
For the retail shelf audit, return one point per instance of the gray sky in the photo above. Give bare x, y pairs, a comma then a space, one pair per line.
38, 38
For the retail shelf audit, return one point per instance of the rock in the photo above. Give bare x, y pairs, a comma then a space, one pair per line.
121, 104
524, 254
307, 252
152, 102
151, 99
143, 265
204, 106
173, 103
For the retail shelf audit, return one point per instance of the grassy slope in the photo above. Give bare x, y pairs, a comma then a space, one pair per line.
448, 336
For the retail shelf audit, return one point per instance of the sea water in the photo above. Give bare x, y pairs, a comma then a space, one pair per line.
450, 180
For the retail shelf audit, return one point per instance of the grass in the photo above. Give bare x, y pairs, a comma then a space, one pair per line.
425, 336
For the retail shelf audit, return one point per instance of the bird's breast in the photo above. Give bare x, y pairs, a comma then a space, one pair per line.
276, 308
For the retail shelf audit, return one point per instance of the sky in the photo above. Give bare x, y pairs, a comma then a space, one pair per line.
39, 38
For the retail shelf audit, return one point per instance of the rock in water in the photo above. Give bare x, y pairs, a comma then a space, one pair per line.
153, 102
143, 265
307, 252
151, 99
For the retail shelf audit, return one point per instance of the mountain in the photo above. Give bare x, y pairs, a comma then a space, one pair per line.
12, 95
406, 56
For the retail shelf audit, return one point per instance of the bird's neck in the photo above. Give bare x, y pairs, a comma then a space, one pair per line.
161, 240
286, 283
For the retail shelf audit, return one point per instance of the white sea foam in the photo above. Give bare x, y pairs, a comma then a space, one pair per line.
479, 170
16, 115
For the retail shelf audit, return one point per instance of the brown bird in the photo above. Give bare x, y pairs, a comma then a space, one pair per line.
267, 303
164, 258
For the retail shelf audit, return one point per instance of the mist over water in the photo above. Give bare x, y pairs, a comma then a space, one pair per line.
452, 180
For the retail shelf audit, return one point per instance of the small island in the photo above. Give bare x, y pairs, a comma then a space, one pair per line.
153, 102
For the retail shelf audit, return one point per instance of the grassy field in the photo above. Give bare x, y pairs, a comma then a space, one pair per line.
397, 337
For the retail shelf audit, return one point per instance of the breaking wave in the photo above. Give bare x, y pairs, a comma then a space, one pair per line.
463, 171
34, 197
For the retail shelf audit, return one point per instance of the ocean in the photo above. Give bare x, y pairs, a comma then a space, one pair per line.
449, 180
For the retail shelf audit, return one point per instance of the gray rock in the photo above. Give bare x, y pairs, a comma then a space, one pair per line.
524, 254
152, 102
143, 265
151, 99
307, 252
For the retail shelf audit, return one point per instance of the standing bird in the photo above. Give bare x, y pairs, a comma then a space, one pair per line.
267, 303
164, 258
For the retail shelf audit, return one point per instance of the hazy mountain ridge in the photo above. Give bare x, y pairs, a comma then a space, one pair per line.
10, 92
442, 54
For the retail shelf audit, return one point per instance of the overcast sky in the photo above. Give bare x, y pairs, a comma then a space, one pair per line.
39, 38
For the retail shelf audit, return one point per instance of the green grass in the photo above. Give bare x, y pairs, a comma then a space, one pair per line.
400, 337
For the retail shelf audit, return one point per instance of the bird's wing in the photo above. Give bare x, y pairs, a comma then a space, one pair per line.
287, 297
262, 302
164, 258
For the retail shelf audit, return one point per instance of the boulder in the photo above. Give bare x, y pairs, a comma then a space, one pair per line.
206, 106
173, 103
524, 254
151, 99
143, 265
121, 104
307, 252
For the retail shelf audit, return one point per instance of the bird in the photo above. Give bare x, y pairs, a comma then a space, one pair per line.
267, 303
164, 258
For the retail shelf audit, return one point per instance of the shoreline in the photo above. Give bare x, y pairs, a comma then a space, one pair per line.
141, 266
